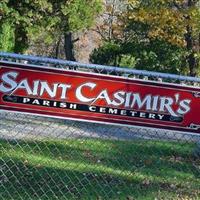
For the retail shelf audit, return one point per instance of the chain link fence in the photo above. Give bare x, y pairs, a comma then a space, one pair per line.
45, 158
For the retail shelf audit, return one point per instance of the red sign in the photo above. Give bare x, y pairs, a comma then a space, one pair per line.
98, 98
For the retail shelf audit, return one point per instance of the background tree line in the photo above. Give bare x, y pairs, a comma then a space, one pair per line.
156, 35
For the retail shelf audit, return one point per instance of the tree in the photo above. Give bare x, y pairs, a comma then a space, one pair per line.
30, 18
72, 16
110, 27
174, 21
155, 55
26, 18
161, 35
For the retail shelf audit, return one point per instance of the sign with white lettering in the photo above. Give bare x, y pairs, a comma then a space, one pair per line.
98, 98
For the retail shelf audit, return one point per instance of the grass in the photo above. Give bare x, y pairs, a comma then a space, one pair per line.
98, 169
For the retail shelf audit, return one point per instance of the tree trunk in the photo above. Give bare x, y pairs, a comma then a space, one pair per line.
192, 61
57, 48
193, 64
68, 46
21, 40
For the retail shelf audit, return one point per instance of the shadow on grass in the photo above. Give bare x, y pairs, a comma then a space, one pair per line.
97, 169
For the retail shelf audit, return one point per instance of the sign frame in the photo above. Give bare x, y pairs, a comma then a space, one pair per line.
193, 128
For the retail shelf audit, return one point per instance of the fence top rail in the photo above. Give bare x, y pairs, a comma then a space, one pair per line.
59, 62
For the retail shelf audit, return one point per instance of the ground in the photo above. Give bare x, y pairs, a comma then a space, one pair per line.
85, 168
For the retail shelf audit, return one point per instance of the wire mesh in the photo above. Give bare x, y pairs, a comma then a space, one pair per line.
45, 158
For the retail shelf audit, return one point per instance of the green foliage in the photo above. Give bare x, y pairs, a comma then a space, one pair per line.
160, 56
167, 19
107, 54
112, 54
25, 16
32, 18
175, 22
154, 55
81, 13
6, 37
141, 45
